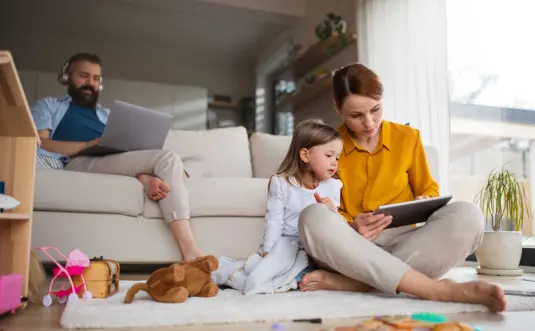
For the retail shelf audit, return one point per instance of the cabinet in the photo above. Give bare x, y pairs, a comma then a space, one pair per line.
18, 147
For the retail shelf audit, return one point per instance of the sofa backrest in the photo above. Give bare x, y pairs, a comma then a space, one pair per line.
227, 152
212, 153
268, 151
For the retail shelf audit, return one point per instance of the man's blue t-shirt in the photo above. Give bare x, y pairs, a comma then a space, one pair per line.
79, 124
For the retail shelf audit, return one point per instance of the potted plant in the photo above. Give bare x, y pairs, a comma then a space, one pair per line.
504, 204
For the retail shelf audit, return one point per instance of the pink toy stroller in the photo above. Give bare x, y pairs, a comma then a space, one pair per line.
76, 262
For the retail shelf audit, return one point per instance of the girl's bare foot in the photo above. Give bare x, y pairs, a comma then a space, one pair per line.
155, 188
328, 281
475, 292
193, 253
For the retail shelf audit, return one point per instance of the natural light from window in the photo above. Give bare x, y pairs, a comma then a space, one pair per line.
491, 52
491, 60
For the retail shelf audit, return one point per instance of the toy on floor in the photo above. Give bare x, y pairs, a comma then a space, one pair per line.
10, 290
36, 279
416, 322
102, 277
174, 284
75, 264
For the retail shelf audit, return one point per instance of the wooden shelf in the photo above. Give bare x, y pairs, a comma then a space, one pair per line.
18, 148
14, 216
319, 53
307, 94
223, 105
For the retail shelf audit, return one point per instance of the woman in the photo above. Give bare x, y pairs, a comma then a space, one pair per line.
383, 163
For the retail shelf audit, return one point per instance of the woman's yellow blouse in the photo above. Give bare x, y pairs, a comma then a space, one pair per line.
396, 171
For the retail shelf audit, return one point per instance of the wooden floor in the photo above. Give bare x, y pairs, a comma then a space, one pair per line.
36, 317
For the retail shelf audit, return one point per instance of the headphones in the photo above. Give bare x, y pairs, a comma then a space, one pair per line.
63, 76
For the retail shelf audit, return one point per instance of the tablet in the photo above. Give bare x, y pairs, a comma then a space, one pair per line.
411, 212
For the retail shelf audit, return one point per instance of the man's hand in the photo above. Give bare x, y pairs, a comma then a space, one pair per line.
69, 148
92, 143
370, 226
326, 201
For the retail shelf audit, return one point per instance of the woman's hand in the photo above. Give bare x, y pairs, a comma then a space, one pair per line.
326, 201
370, 226
421, 197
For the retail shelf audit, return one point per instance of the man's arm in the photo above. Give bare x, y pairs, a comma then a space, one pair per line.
68, 148
42, 112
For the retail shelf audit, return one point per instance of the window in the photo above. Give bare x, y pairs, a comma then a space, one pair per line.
491, 63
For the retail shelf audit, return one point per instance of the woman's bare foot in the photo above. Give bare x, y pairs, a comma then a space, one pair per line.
155, 188
475, 292
328, 281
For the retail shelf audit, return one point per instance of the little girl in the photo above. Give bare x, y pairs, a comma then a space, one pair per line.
304, 177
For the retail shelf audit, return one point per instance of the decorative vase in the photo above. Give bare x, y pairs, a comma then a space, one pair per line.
499, 253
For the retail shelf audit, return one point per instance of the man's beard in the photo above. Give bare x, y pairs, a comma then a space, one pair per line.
80, 98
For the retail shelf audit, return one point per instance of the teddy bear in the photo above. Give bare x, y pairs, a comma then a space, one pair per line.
179, 281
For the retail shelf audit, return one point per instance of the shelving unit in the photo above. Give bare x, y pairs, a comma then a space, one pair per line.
222, 105
318, 53
308, 61
308, 93
18, 146
14, 216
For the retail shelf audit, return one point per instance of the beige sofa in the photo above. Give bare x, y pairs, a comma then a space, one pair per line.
109, 215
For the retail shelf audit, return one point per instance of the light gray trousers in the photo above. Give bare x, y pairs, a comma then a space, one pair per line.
447, 238
163, 164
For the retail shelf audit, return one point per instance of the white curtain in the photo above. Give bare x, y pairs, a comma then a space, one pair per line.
404, 42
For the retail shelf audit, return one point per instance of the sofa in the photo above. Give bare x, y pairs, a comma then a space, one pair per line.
109, 215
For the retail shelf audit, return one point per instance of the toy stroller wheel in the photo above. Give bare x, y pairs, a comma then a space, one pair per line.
47, 300
62, 299
88, 295
72, 297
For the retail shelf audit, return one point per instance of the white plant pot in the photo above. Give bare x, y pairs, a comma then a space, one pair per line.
500, 250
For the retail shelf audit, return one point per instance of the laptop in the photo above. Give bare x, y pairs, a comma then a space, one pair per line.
131, 128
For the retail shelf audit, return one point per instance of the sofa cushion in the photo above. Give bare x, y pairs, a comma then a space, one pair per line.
212, 153
72, 191
221, 197
267, 153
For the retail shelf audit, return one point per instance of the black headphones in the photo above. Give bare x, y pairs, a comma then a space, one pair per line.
63, 76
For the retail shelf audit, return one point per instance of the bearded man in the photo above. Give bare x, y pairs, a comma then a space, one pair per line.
75, 121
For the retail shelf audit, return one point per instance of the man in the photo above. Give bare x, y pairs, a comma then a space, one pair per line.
76, 121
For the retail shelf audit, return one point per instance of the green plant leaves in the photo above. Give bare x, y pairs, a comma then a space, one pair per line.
503, 199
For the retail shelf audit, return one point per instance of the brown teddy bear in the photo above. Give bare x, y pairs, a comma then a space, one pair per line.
174, 284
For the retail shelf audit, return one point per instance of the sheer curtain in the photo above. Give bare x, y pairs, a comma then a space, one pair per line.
404, 42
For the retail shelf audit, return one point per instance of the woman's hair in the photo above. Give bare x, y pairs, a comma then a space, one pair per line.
307, 134
356, 79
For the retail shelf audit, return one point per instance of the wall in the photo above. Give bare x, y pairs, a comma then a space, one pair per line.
127, 60
292, 7
187, 104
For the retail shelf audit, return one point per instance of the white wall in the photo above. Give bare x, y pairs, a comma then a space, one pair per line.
187, 104
287, 7
125, 59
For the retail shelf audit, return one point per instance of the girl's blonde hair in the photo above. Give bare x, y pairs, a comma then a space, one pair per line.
307, 134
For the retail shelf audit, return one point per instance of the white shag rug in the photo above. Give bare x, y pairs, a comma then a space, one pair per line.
230, 306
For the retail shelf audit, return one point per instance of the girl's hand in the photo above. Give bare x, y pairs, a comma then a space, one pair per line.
326, 201
370, 226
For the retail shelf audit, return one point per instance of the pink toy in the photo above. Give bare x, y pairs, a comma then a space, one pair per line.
76, 262
10, 290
